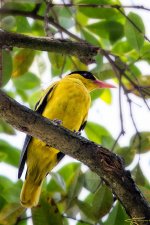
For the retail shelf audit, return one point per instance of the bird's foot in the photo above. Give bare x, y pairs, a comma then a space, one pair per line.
77, 132
58, 122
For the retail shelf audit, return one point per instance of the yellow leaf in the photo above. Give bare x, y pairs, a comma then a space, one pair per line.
106, 96
22, 61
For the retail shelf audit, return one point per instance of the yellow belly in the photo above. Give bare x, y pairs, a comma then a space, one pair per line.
69, 103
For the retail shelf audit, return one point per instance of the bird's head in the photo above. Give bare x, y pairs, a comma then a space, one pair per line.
90, 82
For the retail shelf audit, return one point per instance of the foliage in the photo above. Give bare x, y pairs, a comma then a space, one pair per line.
62, 194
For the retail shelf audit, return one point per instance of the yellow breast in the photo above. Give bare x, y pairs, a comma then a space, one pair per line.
69, 103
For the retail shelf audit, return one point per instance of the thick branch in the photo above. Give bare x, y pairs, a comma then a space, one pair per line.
82, 50
103, 162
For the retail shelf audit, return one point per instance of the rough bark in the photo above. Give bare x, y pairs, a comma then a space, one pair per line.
99, 159
83, 50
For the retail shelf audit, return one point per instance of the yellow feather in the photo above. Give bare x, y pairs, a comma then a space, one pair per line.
69, 101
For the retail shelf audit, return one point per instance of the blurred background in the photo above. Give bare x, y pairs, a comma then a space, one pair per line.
77, 195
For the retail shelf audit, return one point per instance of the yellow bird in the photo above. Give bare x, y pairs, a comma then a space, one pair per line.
67, 100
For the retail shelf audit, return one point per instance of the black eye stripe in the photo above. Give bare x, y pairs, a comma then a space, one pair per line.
85, 74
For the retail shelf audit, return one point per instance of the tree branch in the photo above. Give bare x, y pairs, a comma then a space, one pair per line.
103, 162
34, 15
134, 25
103, 6
83, 51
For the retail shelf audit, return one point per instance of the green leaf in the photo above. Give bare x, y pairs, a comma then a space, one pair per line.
122, 47
59, 180
82, 223
8, 23
105, 72
142, 144
26, 6
22, 61
87, 210
144, 82
9, 153
6, 128
134, 37
27, 81
5, 183
54, 186
68, 172
78, 65
65, 16
7, 67
99, 13
75, 186
145, 52
11, 193
95, 132
89, 37
117, 216
22, 24
127, 153
99, 63
2, 202
102, 201
139, 176
106, 96
91, 180
146, 192
38, 28
57, 63
10, 213
23, 94
81, 19
33, 99
64, 179
136, 71
111, 30
108, 142
47, 213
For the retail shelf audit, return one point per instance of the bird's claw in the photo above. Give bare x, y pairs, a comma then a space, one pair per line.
59, 122
77, 132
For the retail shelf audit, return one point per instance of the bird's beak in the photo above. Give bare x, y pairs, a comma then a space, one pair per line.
101, 84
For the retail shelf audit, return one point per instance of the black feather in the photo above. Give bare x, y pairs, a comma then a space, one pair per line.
85, 74
39, 109
83, 126
23, 156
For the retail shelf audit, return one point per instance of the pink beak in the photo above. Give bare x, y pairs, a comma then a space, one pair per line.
102, 84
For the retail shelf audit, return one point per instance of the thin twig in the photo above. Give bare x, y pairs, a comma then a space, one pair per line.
63, 66
1, 68
134, 25
119, 76
122, 131
32, 15
46, 20
36, 8
133, 121
79, 221
122, 71
109, 6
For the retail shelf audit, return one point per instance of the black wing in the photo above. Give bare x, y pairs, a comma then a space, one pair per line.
83, 126
23, 156
39, 108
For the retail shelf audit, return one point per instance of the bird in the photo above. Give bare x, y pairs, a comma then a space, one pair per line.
67, 100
